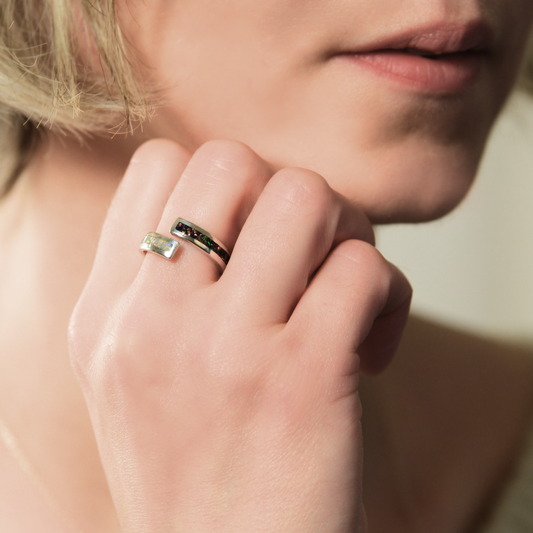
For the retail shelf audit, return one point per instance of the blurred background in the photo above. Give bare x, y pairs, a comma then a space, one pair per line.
474, 268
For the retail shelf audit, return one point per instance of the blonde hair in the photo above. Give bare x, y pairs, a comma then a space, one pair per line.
43, 80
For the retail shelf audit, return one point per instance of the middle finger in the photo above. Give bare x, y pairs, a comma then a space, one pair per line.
293, 226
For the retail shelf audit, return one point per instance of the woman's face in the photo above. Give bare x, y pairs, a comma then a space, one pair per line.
390, 101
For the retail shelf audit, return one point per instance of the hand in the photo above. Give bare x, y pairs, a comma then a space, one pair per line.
229, 402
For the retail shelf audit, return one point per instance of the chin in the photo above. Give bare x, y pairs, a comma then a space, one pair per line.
415, 206
408, 182
415, 189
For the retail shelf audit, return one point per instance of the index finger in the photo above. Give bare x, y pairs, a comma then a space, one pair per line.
358, 303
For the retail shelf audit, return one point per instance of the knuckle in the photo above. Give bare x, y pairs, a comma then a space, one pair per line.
224, 149
112, 353
81, 341
378, 279
159, 150
228, 160
372, 271
366, 256
124, 362
78, 356
303, 189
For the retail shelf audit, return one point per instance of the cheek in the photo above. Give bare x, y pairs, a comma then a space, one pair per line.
402, 156
198, 56
402, 159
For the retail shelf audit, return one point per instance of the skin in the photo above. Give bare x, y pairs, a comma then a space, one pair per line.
258, 426
284, 94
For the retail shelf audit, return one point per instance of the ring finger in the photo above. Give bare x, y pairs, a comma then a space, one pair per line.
216, 192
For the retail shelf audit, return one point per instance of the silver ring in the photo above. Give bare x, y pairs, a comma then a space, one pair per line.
159, 244
201, 238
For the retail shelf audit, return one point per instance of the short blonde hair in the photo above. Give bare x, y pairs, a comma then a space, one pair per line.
44, 82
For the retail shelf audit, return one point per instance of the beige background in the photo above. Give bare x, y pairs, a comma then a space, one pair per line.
474, 268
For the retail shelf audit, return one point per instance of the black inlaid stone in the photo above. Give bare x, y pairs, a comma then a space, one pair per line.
204, 239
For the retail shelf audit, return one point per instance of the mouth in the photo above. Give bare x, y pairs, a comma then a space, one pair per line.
441, 58
425, 53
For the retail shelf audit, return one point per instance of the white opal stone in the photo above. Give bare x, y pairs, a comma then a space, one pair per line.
159, 244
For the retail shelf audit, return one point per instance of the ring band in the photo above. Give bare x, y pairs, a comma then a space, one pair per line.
159, 244
201, 238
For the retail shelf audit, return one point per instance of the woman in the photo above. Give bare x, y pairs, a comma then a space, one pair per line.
226, 398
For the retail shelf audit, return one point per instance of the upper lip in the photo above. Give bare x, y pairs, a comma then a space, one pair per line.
437, 39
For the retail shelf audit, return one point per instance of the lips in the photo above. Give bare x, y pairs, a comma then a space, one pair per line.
450, 73
440, 58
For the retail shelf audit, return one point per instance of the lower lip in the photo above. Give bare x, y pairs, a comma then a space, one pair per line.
451, 73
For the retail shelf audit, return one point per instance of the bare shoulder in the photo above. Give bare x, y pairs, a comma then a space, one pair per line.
445, 425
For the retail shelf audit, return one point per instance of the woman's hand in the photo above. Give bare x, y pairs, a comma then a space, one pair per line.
229, 403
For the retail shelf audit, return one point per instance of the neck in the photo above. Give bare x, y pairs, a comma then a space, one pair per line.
52, 218
49, 228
